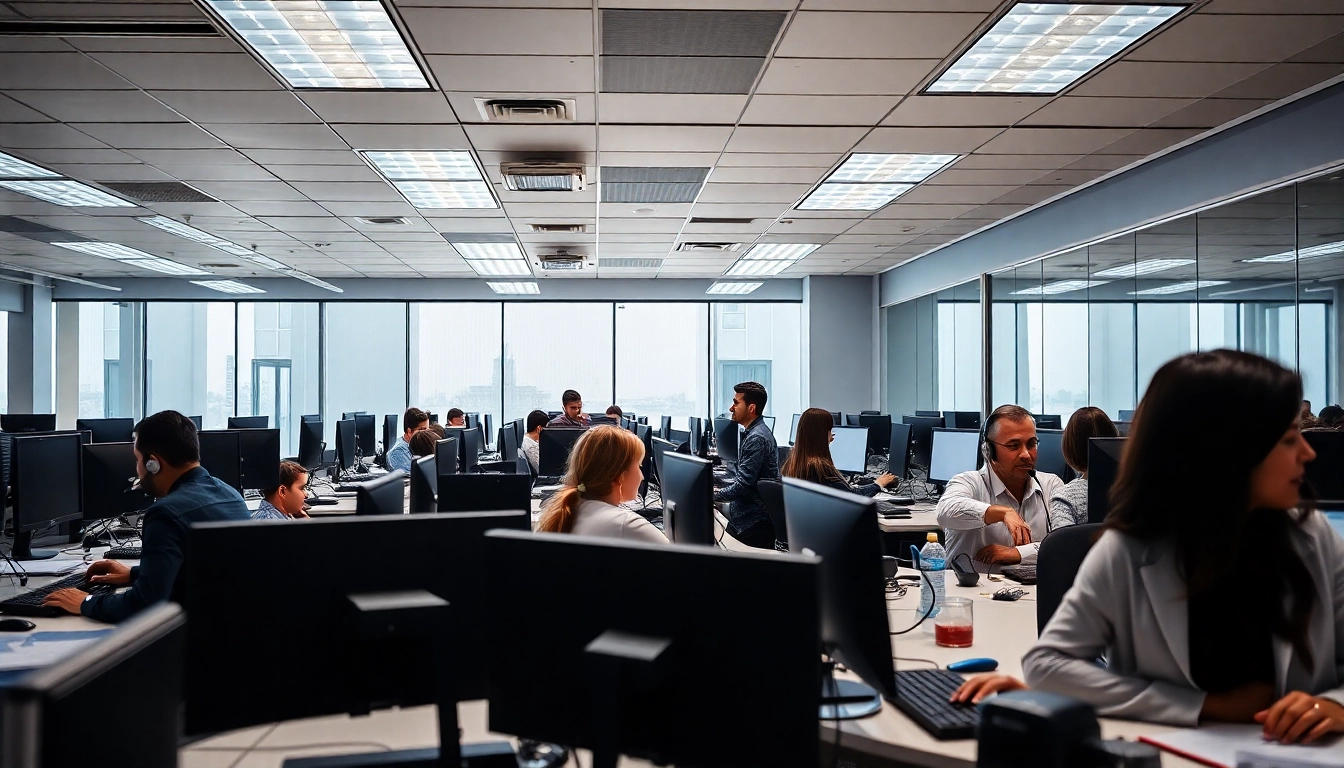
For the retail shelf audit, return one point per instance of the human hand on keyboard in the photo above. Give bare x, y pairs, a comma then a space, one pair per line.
108, 572
977, 689
67, 600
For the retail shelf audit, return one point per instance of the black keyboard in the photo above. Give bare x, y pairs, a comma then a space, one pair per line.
923, 694
123, 553
360, 478
30, 603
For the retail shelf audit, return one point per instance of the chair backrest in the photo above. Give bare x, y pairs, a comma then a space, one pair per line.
1057, 563
772, 495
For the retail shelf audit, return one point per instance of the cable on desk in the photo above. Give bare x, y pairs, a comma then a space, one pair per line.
935, 664
932, 605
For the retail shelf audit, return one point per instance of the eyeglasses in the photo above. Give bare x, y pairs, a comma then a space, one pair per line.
1016, 445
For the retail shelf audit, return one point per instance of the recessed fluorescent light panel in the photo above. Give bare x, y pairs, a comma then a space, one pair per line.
66, 192
136, 258
13, 168
227, 286
176, 227
866, 182
1166, 290
734, 289
1062, 286
1045, 47
447, 179
1146, 267
1327, 249
325, 43
769, 259
494, 259
514, 287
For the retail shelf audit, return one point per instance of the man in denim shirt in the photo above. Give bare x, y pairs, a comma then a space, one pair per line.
399, 455
757, 459
168, 463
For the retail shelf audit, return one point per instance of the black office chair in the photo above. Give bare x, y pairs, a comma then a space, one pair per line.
783, 451
1057, 563
772, 493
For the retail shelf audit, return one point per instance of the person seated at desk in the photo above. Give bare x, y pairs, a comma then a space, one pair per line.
810, 458
573, 415
604, 472
412, 421
1331, 416
437, 429
531, 447
286, 499
615, 412
999, 513
1069, 505
1214, 592
757, 459
168, 465
456, 417
424, 443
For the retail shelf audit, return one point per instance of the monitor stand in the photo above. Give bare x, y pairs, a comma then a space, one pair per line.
23, 548
617, 660
846, 699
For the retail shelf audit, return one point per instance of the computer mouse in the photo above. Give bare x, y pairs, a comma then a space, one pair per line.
16, 625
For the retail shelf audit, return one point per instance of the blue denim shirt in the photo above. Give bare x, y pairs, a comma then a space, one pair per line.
267, 511
195, 497
757, 459
400, 456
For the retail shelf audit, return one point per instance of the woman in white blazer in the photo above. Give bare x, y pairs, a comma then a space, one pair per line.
1213, 594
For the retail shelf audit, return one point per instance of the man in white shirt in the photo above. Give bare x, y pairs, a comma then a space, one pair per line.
999, 513
530, 447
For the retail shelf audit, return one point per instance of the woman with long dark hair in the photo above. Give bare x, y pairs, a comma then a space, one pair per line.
1214, 592
810, 457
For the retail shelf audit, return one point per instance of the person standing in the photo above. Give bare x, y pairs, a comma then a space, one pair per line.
757, 459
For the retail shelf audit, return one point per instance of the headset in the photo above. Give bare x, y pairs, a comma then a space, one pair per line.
988, 451
153, 466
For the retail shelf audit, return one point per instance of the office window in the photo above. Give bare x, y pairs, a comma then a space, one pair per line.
552, 347
189, 351
1064, 348
958, 356
278, 365
662, 351
767, 348
108, 372
457, 358
365, 361
1314, 353
4, 359
1110, 358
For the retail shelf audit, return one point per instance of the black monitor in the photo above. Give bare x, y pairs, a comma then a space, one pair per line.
345, 444
485, 493
603, 421
643, 432
1126, 415
841, 528
249, 422
310, 417
1123, 427
108, 430
879, 431
311, 445
472, 420
44, 487
390, 433
1050, 454
138, 665
657, 710
898, 453
27, 422
195, 420
507, 443
727, 434
445, 456
350, 663
680, 437
424, 485
382, 495
793, 428
657, 446
366, 434
468, 447
921, 436
1103, 464
961, 419
697, 435
837, 418
433, 418
107, 471
1047, 421
1325, 473
553, 449
350, 415
849, 449
688, 499
954, 451
939, 414
851, 420
221, 455
665, 427
487, 428
259, 453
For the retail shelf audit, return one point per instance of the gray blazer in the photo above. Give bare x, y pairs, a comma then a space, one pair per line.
1129, 604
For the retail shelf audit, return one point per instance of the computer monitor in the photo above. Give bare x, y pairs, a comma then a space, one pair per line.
259, 453
1325, 474
553, 449
351, 662
769, 422
1050, 454
445, 456
898, 453
643, 432
249, 422
664, 427
939, 414
879, 431
382, 495
27, 422
195, 420
44, 487
961, 419
108, 430
433, 418
366, 434
424, 485
138, 665
311, 445
851, 420
310, 417
1123, 427
688, 499
680, 437
658, 447
472, 419
696, 427
348, 415
772, 690
1047, 421
921, 436
793, 428
345, 444
1103, 464
849, 449
600, 421
506, 441
1126, 415
485, 493
107, 471
221, 455
727, 433
487, 428
390, 432
468, 447
841, 528
954, 451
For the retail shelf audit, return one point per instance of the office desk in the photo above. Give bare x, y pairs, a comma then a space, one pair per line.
923, 518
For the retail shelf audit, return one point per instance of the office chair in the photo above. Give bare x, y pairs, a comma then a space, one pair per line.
772, 494
1057, 564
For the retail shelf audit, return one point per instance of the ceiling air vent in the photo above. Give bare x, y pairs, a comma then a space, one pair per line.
561, 259
554, 228
158, 191
630, 263
543, 176
713, 220
526, 110
383, 221
708, 246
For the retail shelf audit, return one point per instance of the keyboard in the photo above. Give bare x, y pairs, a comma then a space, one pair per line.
1022, 574
923, 694
30, 603
363, 477
320, 500
123, 553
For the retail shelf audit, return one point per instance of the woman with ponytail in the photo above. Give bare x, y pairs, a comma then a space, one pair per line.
603, 472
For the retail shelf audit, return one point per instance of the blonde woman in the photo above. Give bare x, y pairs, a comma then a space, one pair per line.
603, 472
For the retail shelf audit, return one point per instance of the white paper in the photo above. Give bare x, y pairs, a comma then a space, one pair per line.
57, 567
1243, 746
40, 649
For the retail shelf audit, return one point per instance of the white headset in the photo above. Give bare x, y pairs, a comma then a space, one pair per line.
153, 466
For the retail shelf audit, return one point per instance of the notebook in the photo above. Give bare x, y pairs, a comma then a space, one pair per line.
1241, 746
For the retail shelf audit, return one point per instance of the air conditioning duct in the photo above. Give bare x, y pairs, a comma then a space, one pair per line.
543, 176
561, 259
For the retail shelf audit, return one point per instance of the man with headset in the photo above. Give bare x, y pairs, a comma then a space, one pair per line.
168, 465
999, 513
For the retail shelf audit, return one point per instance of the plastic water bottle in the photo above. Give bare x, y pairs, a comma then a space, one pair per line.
932, 561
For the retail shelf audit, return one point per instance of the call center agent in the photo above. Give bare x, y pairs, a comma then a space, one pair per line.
1214, 593
999, 513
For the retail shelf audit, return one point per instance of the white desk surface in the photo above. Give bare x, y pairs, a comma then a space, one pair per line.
922, 518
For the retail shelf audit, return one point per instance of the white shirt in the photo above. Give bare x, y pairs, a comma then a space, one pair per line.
531, 449
961, 511
598, 518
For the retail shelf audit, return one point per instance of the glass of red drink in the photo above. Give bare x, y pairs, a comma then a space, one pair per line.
954, 627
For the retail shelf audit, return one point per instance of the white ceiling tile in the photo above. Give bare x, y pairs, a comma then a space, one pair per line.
827, 77
1170, 79
12, 111
1027, 195
98, 106
533, 138
369, 136
238, 106
549, 209
1213, 37
150, 135
612, 226
817, 110
658, 159
349, 191
66, 71
280, 208
1053, 140
956, 175
236, 172
893, 227
1208, 113
953, 194
811, 226
197, 71
304, 156
181, 157
249, 190
124, 172
778, 159
1283, 80
379, 106
927, 140
740, 175
1149, 140
790, 139
994, 162
499, 31
966, 110
941, 6
324, 172
1104, 112
133, 44
702, 109
940, 213
520, 74
739, 210
46, 136
752, 193
876, 35
1102, 162
277, 136
663, 138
